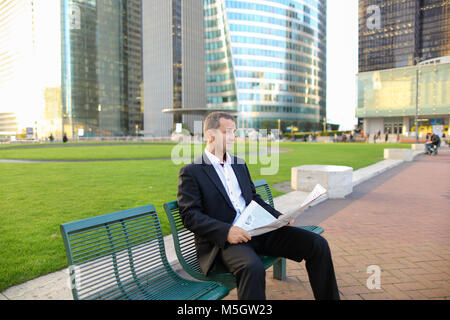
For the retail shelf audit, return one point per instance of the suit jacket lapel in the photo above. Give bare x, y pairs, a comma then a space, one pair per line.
239, 173
209, 169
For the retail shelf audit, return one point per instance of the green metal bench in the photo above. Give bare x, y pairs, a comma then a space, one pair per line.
121, 255
186, 252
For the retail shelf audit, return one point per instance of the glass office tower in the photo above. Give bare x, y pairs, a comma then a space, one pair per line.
174, 66
101, 67
266, 59
405, 30
71, 66
404, 60
434, 26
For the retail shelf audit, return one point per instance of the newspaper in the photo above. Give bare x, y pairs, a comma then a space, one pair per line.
256, 220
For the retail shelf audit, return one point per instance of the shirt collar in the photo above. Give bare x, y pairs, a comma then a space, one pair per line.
215, 160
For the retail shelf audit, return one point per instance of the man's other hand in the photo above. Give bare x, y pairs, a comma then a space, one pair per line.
237, 235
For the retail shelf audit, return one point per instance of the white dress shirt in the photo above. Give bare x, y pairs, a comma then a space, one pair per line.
229, 181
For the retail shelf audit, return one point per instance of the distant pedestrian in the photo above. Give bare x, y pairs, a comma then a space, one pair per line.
51, 138
433, 143
65, 138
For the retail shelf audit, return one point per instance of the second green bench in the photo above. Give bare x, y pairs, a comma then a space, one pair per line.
185, 245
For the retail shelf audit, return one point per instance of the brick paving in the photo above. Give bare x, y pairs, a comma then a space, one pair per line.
402, 226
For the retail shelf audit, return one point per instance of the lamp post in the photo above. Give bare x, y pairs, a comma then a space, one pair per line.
279, 128
417, 60
417, 104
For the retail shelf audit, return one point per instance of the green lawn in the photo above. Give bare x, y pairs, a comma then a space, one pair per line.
36, 198
88, 152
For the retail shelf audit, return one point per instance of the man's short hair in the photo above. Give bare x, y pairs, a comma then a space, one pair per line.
212, 121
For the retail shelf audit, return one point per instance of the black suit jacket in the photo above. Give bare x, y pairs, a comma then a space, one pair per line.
205, 207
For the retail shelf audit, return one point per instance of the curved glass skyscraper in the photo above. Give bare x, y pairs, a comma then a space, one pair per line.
266, 59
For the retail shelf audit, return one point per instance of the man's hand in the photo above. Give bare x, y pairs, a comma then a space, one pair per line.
237, 235
290, 223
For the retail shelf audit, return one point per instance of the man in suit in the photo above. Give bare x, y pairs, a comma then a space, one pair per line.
213, 191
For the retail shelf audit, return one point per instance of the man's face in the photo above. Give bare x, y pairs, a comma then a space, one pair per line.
224, 136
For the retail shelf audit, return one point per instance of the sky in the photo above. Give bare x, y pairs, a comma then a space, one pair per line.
342, 62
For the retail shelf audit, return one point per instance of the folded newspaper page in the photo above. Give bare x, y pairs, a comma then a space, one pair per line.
256, 220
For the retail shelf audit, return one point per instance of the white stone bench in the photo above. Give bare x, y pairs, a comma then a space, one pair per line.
418, 147
336, 179
399, 154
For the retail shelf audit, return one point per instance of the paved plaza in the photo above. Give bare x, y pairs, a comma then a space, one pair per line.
398, 221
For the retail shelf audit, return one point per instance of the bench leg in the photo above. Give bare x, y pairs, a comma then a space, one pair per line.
279, 269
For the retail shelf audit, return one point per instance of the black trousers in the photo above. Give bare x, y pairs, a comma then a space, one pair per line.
288, 242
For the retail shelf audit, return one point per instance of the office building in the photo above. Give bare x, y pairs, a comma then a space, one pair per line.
72, 67
403, 66
101, 67
174, 66
266, 60
392, 34
20, 104
389, 99
8, 125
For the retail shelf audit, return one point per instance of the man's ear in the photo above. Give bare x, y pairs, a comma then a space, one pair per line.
209, 136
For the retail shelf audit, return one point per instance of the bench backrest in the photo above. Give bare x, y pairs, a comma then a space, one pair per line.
184, 239
263, 189
112, 255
